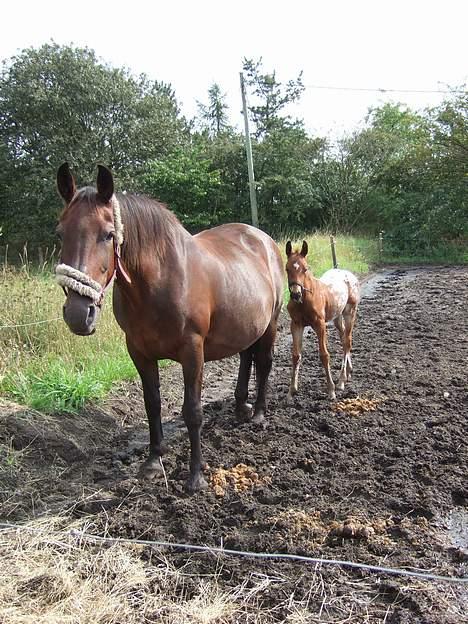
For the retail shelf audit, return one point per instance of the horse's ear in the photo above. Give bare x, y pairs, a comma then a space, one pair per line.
304, 249
288, 249
65, 182
105, 184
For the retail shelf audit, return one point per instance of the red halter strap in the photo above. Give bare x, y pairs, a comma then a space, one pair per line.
119, 270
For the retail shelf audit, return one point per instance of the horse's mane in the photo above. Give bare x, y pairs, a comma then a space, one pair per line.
149, 227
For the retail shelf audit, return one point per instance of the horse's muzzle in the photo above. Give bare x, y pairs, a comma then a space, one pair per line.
80, 314
295, 290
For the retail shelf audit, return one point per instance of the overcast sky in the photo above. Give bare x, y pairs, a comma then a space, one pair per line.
357, 44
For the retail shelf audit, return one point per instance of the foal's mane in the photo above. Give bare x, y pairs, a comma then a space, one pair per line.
149, 227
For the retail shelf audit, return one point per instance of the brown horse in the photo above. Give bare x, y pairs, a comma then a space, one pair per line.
186, 298
315, 302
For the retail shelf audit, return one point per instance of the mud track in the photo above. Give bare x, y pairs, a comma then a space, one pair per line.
386, 486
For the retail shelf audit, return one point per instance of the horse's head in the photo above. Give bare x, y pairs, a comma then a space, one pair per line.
91, 231
296, 269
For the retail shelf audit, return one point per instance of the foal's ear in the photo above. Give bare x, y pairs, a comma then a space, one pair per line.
288, 249
304, 249
104, 184
65, 182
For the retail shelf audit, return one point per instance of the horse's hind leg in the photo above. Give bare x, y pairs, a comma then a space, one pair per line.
349, 317
243, 408
340, 326
321, 331
263, 356
149, 374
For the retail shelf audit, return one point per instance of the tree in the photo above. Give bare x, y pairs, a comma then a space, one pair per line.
60, 103
214, 117
186, 182
272, 96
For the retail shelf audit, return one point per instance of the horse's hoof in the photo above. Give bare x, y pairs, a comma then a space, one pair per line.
290, 399
244, 412
332, 396
196, 483
150, 470
259, 418
340, 385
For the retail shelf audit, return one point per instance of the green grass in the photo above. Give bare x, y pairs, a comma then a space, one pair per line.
45, 366
353, 253
356, 254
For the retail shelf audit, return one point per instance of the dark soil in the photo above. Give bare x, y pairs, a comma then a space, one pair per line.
384, 487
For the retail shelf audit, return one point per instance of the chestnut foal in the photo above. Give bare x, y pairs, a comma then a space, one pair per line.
315, 302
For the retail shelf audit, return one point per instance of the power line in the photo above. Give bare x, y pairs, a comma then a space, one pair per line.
382, 90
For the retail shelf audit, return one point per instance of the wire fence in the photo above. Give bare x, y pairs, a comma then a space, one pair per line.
215, 550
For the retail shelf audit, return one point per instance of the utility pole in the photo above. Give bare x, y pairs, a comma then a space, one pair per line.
248, 149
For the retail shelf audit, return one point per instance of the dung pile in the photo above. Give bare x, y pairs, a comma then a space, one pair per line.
240, 478
357, 406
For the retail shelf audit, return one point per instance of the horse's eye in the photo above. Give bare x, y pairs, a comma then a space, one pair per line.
109, 236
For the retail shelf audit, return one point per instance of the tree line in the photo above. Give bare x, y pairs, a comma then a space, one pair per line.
402, 171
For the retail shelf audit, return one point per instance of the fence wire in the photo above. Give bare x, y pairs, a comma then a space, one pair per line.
83, 536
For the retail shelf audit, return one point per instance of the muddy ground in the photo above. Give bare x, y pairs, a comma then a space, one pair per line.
386, 486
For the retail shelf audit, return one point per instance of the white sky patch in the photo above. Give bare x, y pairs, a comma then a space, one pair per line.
345, 43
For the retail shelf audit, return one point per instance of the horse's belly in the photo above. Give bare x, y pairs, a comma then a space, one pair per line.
234, 332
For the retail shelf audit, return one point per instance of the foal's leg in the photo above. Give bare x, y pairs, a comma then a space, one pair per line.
321, 331
263, 355
243, 408
192, 365
149, 374
349, 320
297, 332
339, 324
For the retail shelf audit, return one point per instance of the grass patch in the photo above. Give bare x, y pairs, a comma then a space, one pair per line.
45, 366
356, 254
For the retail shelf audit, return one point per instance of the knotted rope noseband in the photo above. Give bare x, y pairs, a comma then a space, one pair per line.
70, 278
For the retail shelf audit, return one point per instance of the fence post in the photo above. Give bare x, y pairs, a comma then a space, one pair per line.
333, 250
380, 245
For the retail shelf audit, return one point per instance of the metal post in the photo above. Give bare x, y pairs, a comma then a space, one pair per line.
380, 245
248, 149
333, 250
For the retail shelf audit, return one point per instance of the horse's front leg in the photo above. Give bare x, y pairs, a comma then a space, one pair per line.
149, 374
321, 331
297, 331
192, 360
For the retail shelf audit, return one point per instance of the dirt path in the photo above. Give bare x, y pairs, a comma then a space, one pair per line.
386, 486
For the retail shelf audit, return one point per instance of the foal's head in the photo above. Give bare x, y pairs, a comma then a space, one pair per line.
296, 269
87, 262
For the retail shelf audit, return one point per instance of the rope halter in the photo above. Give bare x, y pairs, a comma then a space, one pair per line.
70, 278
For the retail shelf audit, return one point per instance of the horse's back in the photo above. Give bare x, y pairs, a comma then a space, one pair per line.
239, 246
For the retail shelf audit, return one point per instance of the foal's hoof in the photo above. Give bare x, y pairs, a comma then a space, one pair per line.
340, 385
244, 412
290, 398
332, 396
151, 469
196, 483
